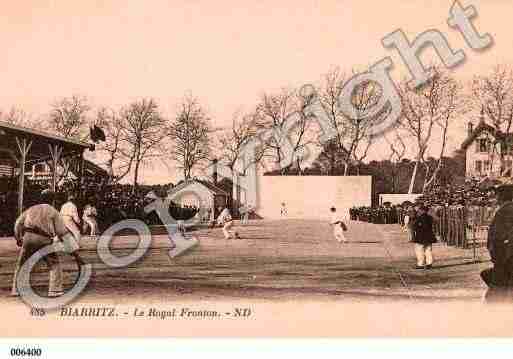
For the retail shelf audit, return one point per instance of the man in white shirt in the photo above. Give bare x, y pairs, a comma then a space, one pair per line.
69, 213
89, 219
339, 227
37, 227
225, 219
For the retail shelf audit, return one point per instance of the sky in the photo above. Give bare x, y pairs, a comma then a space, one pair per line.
226, 53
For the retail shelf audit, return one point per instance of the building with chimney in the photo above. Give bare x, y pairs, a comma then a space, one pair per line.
208, 195
200, 194
487, 151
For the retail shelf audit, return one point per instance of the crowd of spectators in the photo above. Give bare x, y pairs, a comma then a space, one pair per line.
113, 202
459, 211
473, 193
383, 214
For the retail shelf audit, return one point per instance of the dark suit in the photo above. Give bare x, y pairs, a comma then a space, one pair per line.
423, 228
424, 238
500, 246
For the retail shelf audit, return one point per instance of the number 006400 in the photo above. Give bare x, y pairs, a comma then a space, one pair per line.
25, 352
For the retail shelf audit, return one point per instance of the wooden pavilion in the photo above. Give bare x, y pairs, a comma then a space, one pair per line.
22, 147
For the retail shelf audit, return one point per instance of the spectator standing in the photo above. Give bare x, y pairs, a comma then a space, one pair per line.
500, 243
89, 219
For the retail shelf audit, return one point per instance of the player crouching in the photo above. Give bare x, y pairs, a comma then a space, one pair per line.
339, 227
225, 220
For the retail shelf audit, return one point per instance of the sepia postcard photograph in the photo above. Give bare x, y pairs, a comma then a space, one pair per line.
279, 169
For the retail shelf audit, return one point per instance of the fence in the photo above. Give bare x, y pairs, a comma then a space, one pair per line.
463, 226
457, 226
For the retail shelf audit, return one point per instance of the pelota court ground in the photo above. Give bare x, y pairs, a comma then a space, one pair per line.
278, 260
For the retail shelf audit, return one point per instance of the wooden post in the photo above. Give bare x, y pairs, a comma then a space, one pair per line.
82, 163
24, 148
55, 153
81, 181
78, 170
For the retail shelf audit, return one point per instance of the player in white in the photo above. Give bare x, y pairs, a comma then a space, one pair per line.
283, 210
69, 213
225, 219
339, 227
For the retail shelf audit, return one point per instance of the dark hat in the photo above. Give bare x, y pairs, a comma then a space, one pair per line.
504, 187
504, 191
47, 196
47, 191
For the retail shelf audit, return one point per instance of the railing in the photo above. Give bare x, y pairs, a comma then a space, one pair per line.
463, 226
458, 226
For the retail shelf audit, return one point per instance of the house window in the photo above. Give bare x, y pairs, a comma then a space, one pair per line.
483, 145
479, 167
486, 166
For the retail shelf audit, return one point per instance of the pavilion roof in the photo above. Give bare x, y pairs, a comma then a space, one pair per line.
10, 134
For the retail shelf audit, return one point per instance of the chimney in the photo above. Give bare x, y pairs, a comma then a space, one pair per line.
214, 171
470, 128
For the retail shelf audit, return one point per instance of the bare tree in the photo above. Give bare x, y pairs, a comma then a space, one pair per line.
68, 117
142, 130
397, 152
232, 142
427, 110
358, 131
189, 134
334, 151
284, 112
353, 136
493, 94
119, 157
